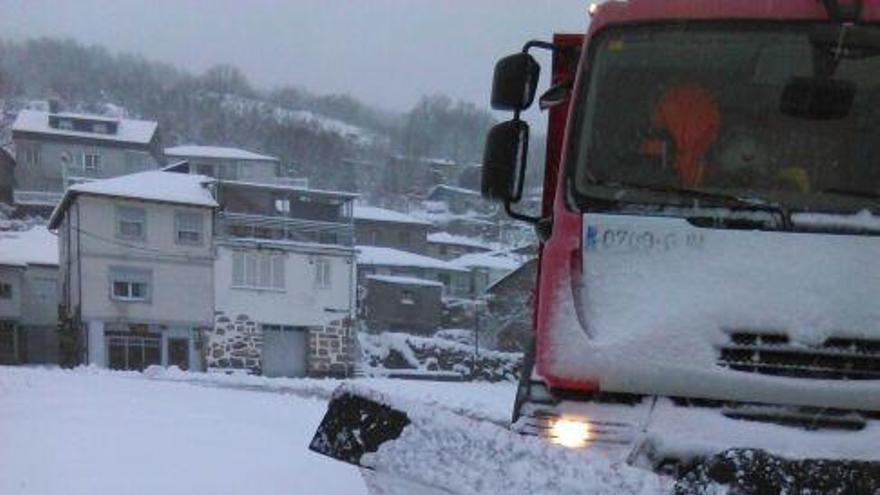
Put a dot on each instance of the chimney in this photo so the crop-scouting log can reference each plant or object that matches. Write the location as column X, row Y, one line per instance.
column 54, row 105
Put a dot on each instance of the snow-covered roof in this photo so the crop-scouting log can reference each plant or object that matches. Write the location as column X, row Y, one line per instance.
column 36, row 246
column 494, row 261
column 152, row 185
column 128, row 130
column 391, row 279
column 457, row 240
column 376, row 214
column 384, row 256
column 193, row 150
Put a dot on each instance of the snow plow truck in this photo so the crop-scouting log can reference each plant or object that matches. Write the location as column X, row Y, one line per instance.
column 707, row 296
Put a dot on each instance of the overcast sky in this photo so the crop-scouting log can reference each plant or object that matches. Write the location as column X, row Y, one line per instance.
column 385, row 52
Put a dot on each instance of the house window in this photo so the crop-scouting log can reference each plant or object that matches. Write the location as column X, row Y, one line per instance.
column 282, row 206
column 322, row 273
column 188, row 228
column 91, row 164
column 131, row 223
column 130, row 284
column 5, row 291
column 252, row 270
column 407, row 297
column 375, row 237
column 100, row 128
column 29, row 154
column 65, row 124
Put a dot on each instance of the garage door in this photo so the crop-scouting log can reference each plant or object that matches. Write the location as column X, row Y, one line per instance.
column 284, row 350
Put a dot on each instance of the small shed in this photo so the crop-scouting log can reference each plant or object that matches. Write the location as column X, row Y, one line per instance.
column 407, row 304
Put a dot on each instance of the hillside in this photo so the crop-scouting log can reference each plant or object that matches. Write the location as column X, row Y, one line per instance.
column 310, row 133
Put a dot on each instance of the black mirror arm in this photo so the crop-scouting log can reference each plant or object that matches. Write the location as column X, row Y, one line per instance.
column 519, row 216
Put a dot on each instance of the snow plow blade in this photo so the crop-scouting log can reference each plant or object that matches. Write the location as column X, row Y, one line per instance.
column 355, row 424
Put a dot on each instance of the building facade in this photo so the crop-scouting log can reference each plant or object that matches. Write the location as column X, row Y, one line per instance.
column 284, row 281
column 56, row 150
column 136, row 269
column 388, row 228
column 28, row 297
column 226, row 163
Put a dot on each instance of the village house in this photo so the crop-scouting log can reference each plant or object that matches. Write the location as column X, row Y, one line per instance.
column 137, row 269
column 447, row 246
column 55, row 150
column 225, row 163
column 283, row 281
column 388, row 228
column 28, row 297
column 398, row 303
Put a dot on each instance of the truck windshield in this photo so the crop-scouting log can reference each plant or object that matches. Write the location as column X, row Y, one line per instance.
column 702, row 107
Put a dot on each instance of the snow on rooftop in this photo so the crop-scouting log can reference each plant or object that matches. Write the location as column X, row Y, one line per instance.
column 128, row 130
column 154, row 185
column 36, row 246
column 458, row 240
column 192, row 150
column 405, row 280
column 494, row 261
column 454, row 189
column 384, row 256
column 376, row 214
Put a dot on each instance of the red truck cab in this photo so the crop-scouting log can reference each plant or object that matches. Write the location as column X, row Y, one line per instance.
column 710, row 225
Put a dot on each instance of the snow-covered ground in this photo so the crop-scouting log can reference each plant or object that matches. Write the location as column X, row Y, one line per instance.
column 90, row 431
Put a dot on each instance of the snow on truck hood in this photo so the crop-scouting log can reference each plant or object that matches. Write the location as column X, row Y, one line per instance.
column 673, row 309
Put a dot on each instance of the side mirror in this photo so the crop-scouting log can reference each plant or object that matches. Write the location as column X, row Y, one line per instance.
column 818, row 98
column 504, row 161
column 515, row 82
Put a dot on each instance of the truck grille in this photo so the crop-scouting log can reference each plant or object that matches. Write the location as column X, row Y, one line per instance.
column 775, row 354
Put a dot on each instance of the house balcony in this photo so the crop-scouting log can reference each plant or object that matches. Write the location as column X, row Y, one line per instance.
column 276, row 228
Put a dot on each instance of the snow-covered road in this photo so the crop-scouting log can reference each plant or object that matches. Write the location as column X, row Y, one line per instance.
column 91, row 431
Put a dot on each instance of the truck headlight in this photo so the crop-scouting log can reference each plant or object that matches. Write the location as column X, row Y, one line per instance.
column 570, row 432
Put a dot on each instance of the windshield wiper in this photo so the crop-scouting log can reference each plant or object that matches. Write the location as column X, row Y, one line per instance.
column 855, row 193
column 693, row 193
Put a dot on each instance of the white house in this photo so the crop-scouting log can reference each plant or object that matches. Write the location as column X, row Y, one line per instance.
column 283, row 280
column 136, row 268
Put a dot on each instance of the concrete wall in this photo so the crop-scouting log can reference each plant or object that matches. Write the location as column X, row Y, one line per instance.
column 387, row 308
column 47, row 174
column 407, row 237
column 10, row 309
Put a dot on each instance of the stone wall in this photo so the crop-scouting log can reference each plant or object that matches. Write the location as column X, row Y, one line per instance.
column 234, row 343
column 330, row 349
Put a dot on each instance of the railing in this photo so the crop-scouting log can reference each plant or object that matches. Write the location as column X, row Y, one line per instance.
column 242, row 225
column 42, row 198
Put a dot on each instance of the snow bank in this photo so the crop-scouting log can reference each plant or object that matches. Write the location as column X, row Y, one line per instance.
column 470, row 457
column 389, row 352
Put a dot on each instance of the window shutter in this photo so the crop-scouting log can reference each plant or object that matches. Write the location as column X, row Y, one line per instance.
column 251, row 264
column 278, row 271
column 265, row 270
column 237, row 268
